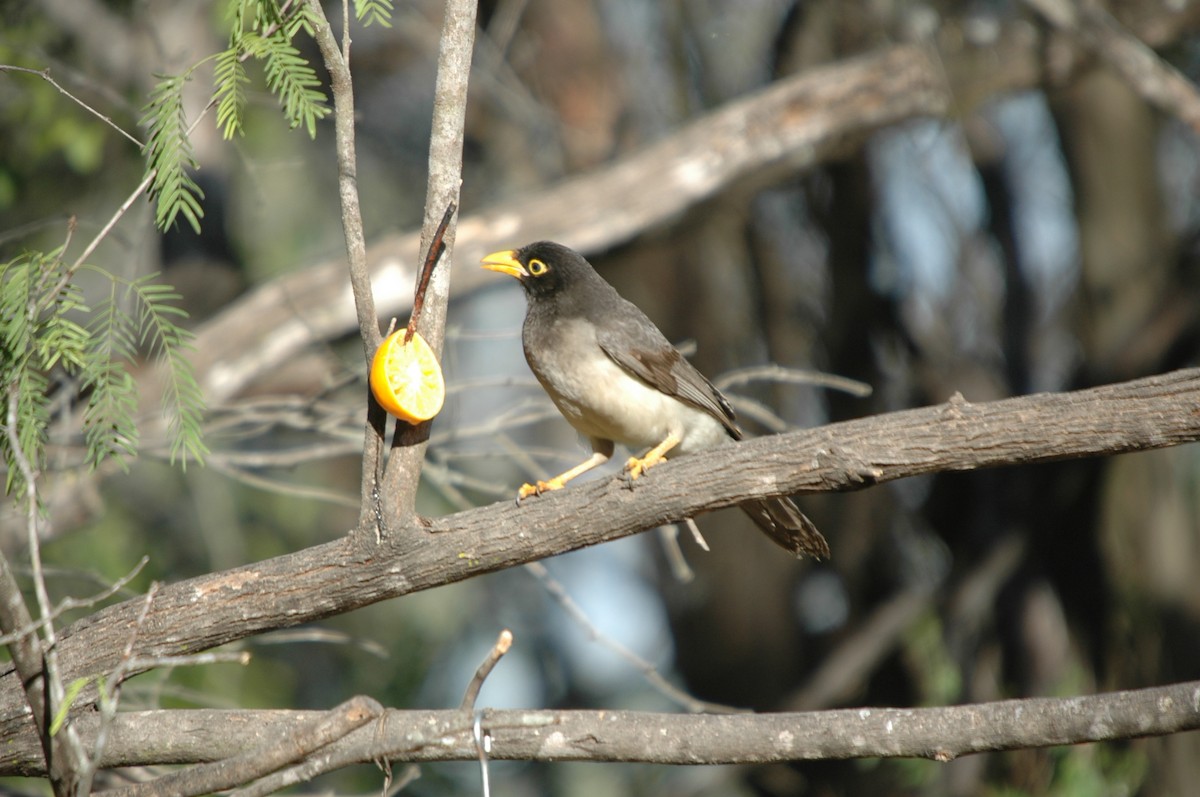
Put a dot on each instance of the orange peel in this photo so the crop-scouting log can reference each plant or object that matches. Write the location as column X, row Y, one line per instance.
column 406, row 378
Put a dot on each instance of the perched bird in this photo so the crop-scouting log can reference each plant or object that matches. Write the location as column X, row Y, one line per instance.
column 616, row 379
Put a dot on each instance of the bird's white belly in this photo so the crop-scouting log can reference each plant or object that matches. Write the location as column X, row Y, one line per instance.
column 601, row 400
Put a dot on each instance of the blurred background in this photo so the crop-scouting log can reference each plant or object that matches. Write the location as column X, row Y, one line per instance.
column 1041, row 237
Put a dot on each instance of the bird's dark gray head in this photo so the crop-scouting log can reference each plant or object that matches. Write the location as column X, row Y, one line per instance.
column 544, row 269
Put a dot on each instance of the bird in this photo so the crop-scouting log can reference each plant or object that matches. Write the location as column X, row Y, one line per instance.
column 616, row 378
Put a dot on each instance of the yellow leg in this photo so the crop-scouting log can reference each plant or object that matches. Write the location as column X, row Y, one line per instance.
column 636, row 467
column 559, row 481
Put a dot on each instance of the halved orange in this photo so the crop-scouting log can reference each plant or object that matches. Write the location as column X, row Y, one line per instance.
column 407, row 378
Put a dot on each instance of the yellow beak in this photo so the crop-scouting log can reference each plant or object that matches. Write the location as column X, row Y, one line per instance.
column 506, row 263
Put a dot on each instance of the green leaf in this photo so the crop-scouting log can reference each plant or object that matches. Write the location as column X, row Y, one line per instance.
column 183, row 399
column 69, row 697
column 374, row 12
column 22, row 384
column 109, row 428
column 49, row 337
column 230, row 95
column 169, row 156
column 290, row 78
column 33, row 418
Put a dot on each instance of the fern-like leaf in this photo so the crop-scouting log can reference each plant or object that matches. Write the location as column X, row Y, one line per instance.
column 22, row 385
column 169, row 155
column 109, row 429
column 28, row 389
column 374, row 12
column 301, row 19
column 290, row 78
column 182, row 400
column 65, row 340
column 230, row 94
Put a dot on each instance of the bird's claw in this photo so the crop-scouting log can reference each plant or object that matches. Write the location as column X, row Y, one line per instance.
column 537, row 488
column 635, row 467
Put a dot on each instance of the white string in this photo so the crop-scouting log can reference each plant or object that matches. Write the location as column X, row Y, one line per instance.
column 483, row 745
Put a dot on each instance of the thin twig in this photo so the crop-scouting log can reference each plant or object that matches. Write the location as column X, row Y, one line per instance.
column 503, row 643
column 282, row 487
column 792, row 376
column 110, row 693
column 44, row 74
column 677, row 563
column 696, row 535
column 69, row 604
column 436, row 247
column 648, row 670
column 126, row 205
column 31, row 658
column 143, row 663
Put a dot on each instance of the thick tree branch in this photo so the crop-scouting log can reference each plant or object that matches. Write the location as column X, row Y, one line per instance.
column 259, row 753
column 942, row 734
column 337, row 577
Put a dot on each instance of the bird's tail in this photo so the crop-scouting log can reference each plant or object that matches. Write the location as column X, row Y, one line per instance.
column 787, row 526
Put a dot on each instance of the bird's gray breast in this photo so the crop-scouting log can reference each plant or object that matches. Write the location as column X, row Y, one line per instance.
column 601, row 399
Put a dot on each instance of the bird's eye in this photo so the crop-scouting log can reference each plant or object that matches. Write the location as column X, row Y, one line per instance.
column 537, row 268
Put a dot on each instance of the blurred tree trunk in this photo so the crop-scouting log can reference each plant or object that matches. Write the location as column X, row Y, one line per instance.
column 1128, row 322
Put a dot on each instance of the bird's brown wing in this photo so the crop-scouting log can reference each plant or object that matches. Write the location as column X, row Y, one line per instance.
column 633, row 342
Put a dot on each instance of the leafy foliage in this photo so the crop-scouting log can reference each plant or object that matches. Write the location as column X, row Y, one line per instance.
column 159, row 335
column 374, row 12
column 290, row 78
column 231, row 79
column 262, row 30
column 48, row 354
column 169, row 155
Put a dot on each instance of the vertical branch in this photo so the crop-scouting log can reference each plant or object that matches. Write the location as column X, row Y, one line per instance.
column 65, row 761
column 337, row 61
column 399, row 485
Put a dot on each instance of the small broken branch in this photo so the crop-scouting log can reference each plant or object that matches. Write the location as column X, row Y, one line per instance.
column 503, row 643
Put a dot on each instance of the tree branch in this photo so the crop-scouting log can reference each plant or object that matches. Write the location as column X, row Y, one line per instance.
column 337, row 577
column 941, row 734
column 285, row 745
column 337, row 62
column 400, row 477
column 1154, row 79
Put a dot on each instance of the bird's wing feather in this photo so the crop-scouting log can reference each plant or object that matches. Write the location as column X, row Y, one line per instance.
column 643, row 351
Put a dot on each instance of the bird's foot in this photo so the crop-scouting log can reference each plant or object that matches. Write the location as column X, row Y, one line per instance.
column 538, row 488
column 635, row 467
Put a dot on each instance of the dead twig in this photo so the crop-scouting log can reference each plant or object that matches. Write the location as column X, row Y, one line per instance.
column 503, row 643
